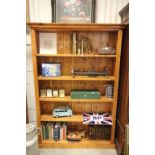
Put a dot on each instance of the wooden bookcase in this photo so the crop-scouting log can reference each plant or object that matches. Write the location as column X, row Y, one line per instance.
column 111, row 33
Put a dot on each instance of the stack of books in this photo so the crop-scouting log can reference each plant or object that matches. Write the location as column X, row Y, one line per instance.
column 54, row 131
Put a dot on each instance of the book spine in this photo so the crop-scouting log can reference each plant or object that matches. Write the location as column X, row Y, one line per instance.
column 52, row 131
column 61, row 133
column 64, row 131
column 56, row 133
column 43, row 132
column 47, row 131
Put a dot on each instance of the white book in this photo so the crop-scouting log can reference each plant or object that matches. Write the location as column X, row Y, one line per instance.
column 49, row 92
column 48, row 43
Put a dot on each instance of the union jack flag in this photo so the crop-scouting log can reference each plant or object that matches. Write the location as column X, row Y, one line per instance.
column 96, row 118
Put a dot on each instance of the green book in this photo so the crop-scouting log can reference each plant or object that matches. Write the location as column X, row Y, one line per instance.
column 47, row 131
column 43, row 132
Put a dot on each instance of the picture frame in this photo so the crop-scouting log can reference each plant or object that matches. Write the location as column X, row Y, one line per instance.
column 73, row 11
column 51, row 69
column 47, row 43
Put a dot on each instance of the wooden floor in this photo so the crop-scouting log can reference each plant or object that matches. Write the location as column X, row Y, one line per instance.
column 77, row 152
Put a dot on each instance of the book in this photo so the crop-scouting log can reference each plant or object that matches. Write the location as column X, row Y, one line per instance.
column 61, row 133
column 56, row 132
column 48, row 43
column 43, row 93
column 47, row 131
column 49, row 92
column 52, row 126
column 61, row 93
column 55, row 93
column 64, row 131
column 50, row 130
column 43, row 132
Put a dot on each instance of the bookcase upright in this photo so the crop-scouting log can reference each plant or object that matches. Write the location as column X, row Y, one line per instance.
column 98, row 33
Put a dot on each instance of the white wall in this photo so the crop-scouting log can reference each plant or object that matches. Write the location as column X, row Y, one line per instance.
column 107, row 10
column 40, row 11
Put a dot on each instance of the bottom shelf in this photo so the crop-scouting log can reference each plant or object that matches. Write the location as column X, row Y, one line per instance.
column 84, row 143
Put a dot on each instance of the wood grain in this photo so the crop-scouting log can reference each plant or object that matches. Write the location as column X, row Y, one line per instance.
column 97, row 33
column 117, row 67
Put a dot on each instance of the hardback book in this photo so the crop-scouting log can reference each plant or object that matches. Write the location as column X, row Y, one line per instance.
column 52, row 130
column 43, row 132
column 47, row 130
column 61, row 133
column 49, row 92
column 61, row 93
column 56, row 132
column 48, row 43
column 64, row 131
column 43, row 92
column 55, row 93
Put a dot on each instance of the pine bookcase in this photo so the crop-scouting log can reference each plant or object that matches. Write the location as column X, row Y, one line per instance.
column 111, row 33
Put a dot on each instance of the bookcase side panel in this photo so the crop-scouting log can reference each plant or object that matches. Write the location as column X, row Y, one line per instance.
column 35, row 70
column 116, row 82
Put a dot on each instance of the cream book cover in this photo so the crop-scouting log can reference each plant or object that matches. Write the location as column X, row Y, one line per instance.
column 48, row 43
column 49, row 92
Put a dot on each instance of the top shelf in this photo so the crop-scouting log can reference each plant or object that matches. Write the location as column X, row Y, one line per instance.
column 75, row 27
column 73, row 55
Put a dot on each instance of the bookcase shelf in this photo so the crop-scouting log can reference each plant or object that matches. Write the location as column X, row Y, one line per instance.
column 74, row 118
column 68, row 99
column 78, row 56
column 78, row 78
column 67, row 57
column 85, row 143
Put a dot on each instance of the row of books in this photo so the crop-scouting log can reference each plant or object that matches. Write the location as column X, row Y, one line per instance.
column 58, row 131
column 54, row 131
column 99, row 132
